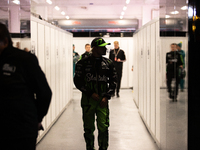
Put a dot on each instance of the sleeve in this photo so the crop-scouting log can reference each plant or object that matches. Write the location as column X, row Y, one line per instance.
column 112, row 81
column 79, row 80
column 123, row 56
column 110, row 54
column 40, row 87
column 180, row 60
column 167, row 60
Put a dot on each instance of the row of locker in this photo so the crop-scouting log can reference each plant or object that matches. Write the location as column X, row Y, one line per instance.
column 53, row 47
column 125, row 43
column 146, row 74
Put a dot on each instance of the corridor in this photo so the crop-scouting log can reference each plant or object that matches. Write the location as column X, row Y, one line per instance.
column 127, row 131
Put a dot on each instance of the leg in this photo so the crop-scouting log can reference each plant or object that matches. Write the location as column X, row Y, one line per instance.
column 177, row 85
column 169, row 81
column 103, row 124
column 119, row 77
column 89, row 127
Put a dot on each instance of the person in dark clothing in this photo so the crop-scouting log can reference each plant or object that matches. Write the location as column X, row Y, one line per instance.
column 87, row 53
column 76, row 58
column 174, row 62
column 96, row 77
column 118, row 57
column 24, row 96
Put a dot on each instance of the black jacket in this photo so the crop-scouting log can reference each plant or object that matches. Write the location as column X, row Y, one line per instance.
column 24, row 94
column 84, row 55
column 86, row 73
column 173, row 61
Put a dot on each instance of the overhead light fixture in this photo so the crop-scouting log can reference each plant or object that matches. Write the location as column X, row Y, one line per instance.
column 167, row 16
column 49, row 2
column 67, row 17
column 124, row 8
column 174, row 12
column 184, row 7
column 57, row 8
column 121, row 17
column 122, row 13
column 127, row 1
column 16, row 2
column 63, row 13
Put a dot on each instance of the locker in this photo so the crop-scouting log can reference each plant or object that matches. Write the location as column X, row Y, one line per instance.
column 34, row 40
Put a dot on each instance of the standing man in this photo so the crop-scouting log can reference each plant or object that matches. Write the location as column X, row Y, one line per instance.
column 24, row 96
column 75, row 59
column 173, row 62
column 87, row 51
column 182, row 81
column 118, row 57
column 96, row 78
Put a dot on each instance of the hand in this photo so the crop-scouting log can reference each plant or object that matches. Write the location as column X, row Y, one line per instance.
column 104, row 102
column 95, row 97
column 181, row 66
column 40, row 127
column 118, row 60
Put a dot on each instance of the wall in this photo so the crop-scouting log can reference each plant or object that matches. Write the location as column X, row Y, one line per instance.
column 126, row 44
column 24, row 42
column 146, row 86
column 53, row 48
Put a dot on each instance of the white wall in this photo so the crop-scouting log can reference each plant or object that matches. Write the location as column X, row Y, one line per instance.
column 53, row 47
column 24, row 42
column 146, row 86
column 126, row 44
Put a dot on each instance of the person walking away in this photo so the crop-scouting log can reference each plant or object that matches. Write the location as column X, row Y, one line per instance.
column 24, row 96
column 173, row 62
column 75, row 59
column 96, row 78
column 87, row 51
column 182, row 81
column 117, row 55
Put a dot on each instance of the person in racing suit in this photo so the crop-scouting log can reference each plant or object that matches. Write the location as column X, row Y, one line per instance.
column 96, row 78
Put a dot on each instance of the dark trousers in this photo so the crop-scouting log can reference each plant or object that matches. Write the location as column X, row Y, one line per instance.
column 119, row 77
column 170, row 77
column 18, row 144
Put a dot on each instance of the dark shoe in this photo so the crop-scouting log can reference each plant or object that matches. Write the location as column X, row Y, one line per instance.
column 112, row 95
column 182, row 90
column 117, row 94
column 100, row 148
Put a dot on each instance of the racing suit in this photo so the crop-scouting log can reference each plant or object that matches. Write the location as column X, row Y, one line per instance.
column 95, row 75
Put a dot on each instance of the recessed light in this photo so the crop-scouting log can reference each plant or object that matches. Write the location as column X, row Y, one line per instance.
column 124, row 8
column 167, row 16
column 49, row 2
column 121, row 17
column 184, row 7
column 16, row 2
column 67, row 17
column 174, row 12
column 57, row 8
column 122, row 13
column 63, row 13
column 127, row 1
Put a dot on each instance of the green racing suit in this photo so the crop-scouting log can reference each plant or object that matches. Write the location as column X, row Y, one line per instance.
column 95, row 75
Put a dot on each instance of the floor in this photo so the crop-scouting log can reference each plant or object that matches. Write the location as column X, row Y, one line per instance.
column 174, row 121
column 127, row 131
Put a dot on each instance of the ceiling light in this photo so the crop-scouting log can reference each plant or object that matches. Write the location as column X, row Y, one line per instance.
column 67, row 17
column 49, row 2
column 174, row 12
column 57, row 8
column 63, row 13
column 167, row 16
column 16, row 2
column 127, row 1
column 121, row 17
column 184, row 7
column 124, row 8
column 122, row 13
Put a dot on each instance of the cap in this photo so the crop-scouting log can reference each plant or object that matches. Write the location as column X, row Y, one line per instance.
column 99, row 42
column 180, row 44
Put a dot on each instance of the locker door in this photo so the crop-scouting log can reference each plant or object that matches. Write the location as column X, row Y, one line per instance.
column 148, row 76
column 153, row 77
column 34, row 35
column 53, row 72
column 131, row 53
column 47, row 66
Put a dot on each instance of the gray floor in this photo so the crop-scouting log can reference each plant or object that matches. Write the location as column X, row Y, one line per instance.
column 127, row 131
column 174, row 121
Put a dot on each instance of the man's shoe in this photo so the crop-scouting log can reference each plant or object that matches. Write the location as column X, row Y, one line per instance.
column 117, row 94
column 112, row 95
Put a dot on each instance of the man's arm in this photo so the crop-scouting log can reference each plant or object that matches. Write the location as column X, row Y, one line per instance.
column 40, row 86
column 112, row 81
column 79, row 79
column 122, row 58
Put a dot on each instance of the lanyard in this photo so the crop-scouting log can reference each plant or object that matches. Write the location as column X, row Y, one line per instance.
column 116, row 53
